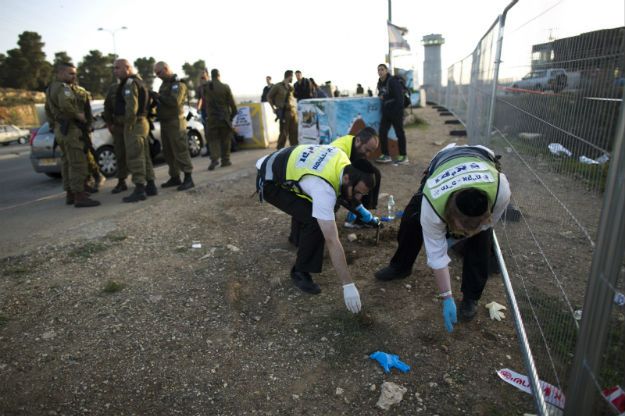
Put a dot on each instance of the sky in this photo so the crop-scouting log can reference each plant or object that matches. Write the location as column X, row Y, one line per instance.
column 338, row 40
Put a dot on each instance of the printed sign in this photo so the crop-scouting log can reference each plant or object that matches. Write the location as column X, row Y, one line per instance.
column 552, row 394
column 242, row 123
column 316, row 157
column 455, row 183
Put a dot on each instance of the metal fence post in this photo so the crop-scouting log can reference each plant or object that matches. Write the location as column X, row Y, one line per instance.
column 502, row 24
column 607, row 260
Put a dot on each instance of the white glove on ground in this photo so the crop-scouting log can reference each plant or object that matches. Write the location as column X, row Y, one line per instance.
column 494, row 310
column 352, row 298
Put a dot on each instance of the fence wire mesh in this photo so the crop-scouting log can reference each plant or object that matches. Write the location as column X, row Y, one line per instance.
column 556, row 110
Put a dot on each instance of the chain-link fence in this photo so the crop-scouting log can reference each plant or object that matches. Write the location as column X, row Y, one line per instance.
column 553, row 116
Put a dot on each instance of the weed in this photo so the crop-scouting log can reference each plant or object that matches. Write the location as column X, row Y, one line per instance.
column 112, row 287
column 3, row 320
column 87, row 250
column 116, row 237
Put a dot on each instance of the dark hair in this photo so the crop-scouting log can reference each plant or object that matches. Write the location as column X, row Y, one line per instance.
column 361, row 170
column 469, row 207
column 384, row 66
column 62, row 65
column 214, row 73
column 288, row 73
column 366, row 134
column 298, row 72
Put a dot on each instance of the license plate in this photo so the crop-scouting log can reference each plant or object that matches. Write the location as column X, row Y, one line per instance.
column 47, row 162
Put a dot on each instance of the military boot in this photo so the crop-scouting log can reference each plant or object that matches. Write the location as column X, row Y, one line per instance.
column 137, row 195
column 120, row 187
column 188, row 182
column 69, row 198
column 151, row 189
column 82, row 200
column 213, row 165
column 173, row 181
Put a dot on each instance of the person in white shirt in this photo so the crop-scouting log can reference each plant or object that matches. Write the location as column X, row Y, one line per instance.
column 462, row 196
column 306, row 182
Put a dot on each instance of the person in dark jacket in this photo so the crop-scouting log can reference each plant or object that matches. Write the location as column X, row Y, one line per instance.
column 390, row 91
column 263, row 97
column 302, row 87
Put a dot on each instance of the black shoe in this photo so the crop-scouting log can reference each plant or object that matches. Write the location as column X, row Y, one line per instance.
column 173, row 181
column 468, row 310
column 213, row 165
column 304, row 282
column 151, row 189
column 187, row 184
column 82, row 200
column 225, row 163
column 137, row 195
column 120, row 187
column 391, row 272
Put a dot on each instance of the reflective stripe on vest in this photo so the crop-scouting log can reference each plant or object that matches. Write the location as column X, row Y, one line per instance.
column 459, row 173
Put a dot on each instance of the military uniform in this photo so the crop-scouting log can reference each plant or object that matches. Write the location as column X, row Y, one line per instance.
column 282, row 97
column 84, row 97
column 131, row 103
column 172, row 95
column 116, row 127
column 62, row 109
column 220, row 109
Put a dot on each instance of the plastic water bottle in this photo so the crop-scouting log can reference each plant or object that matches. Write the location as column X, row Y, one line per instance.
column 391, row 208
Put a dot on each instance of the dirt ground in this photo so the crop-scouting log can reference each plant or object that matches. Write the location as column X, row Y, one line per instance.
column 139, row 322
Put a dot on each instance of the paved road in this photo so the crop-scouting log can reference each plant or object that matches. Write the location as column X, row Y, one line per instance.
column 33, row 210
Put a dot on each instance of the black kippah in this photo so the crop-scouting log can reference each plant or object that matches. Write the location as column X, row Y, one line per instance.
column 363, row 165
column 472, row 202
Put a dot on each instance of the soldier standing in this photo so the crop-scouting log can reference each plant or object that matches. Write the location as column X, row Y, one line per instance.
column 283, row 102
column 220, row 110
column 115, row 124
column 131, row 102
column 64, row 114
column 171, row 97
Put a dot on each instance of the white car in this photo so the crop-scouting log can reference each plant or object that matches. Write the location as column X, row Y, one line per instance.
column 45, row 155
column 10, row 134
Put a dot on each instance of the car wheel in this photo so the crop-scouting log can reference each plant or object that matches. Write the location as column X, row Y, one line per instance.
column 55, row 175
column 195, row 143
column 22, row 140
column 107, row 161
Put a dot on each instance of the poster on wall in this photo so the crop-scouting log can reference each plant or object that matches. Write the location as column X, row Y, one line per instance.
column 326, row 119
column 242, row 123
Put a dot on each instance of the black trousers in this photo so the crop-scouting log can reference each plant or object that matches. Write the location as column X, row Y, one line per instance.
column 370, row 201
column 477, row 250
column 397, row 121
column 305, row 231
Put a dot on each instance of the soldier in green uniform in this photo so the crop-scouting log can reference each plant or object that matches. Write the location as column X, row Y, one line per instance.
column 64, row 113
column 131, row 102
column 83, row 98
column 282, row 100
column 220, row 109
column 171, row 98
column 115, row 125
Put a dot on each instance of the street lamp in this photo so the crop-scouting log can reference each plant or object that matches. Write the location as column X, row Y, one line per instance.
column 112, row 32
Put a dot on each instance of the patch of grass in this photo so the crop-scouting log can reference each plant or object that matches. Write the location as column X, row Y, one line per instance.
column 418, row 123
column 87, row 250
column 3, row 320
column 113, row 287
column 116, row 237
column 16, row 271
column 181, row 249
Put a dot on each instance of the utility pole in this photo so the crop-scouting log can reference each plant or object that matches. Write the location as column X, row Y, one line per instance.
column 390, row 52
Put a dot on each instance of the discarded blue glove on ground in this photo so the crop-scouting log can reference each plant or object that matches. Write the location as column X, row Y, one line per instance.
column 388, row 361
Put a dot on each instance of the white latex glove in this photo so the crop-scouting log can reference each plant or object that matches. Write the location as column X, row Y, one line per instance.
column 352, row 298
column 494, row 310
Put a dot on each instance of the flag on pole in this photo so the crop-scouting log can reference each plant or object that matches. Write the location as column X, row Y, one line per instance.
column 396, row 37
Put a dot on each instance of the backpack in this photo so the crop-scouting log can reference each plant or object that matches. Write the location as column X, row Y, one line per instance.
column 405, row 92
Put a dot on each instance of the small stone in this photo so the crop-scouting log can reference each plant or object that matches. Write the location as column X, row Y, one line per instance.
column 352, row 237
column 155, row 298
column 339, row 391
column 373, row 387
column 508, row 357
column 257, row 318
column 432, row 384
column 295, row 397
column 48, row 335
column 324, row 339
column 233, row 248
column 408, row 286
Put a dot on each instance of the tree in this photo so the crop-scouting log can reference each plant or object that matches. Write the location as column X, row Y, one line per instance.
column 95, row 72
column 26, row 67
column 193, row 71
column 62, row 58
column 145, row 68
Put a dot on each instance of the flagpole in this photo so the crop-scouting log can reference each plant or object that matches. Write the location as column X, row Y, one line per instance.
column 390, row 56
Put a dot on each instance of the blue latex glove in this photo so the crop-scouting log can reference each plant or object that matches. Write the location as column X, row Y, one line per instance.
column 449, row 313
column 351, row 217
column 365, row 215
column 388, row 361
